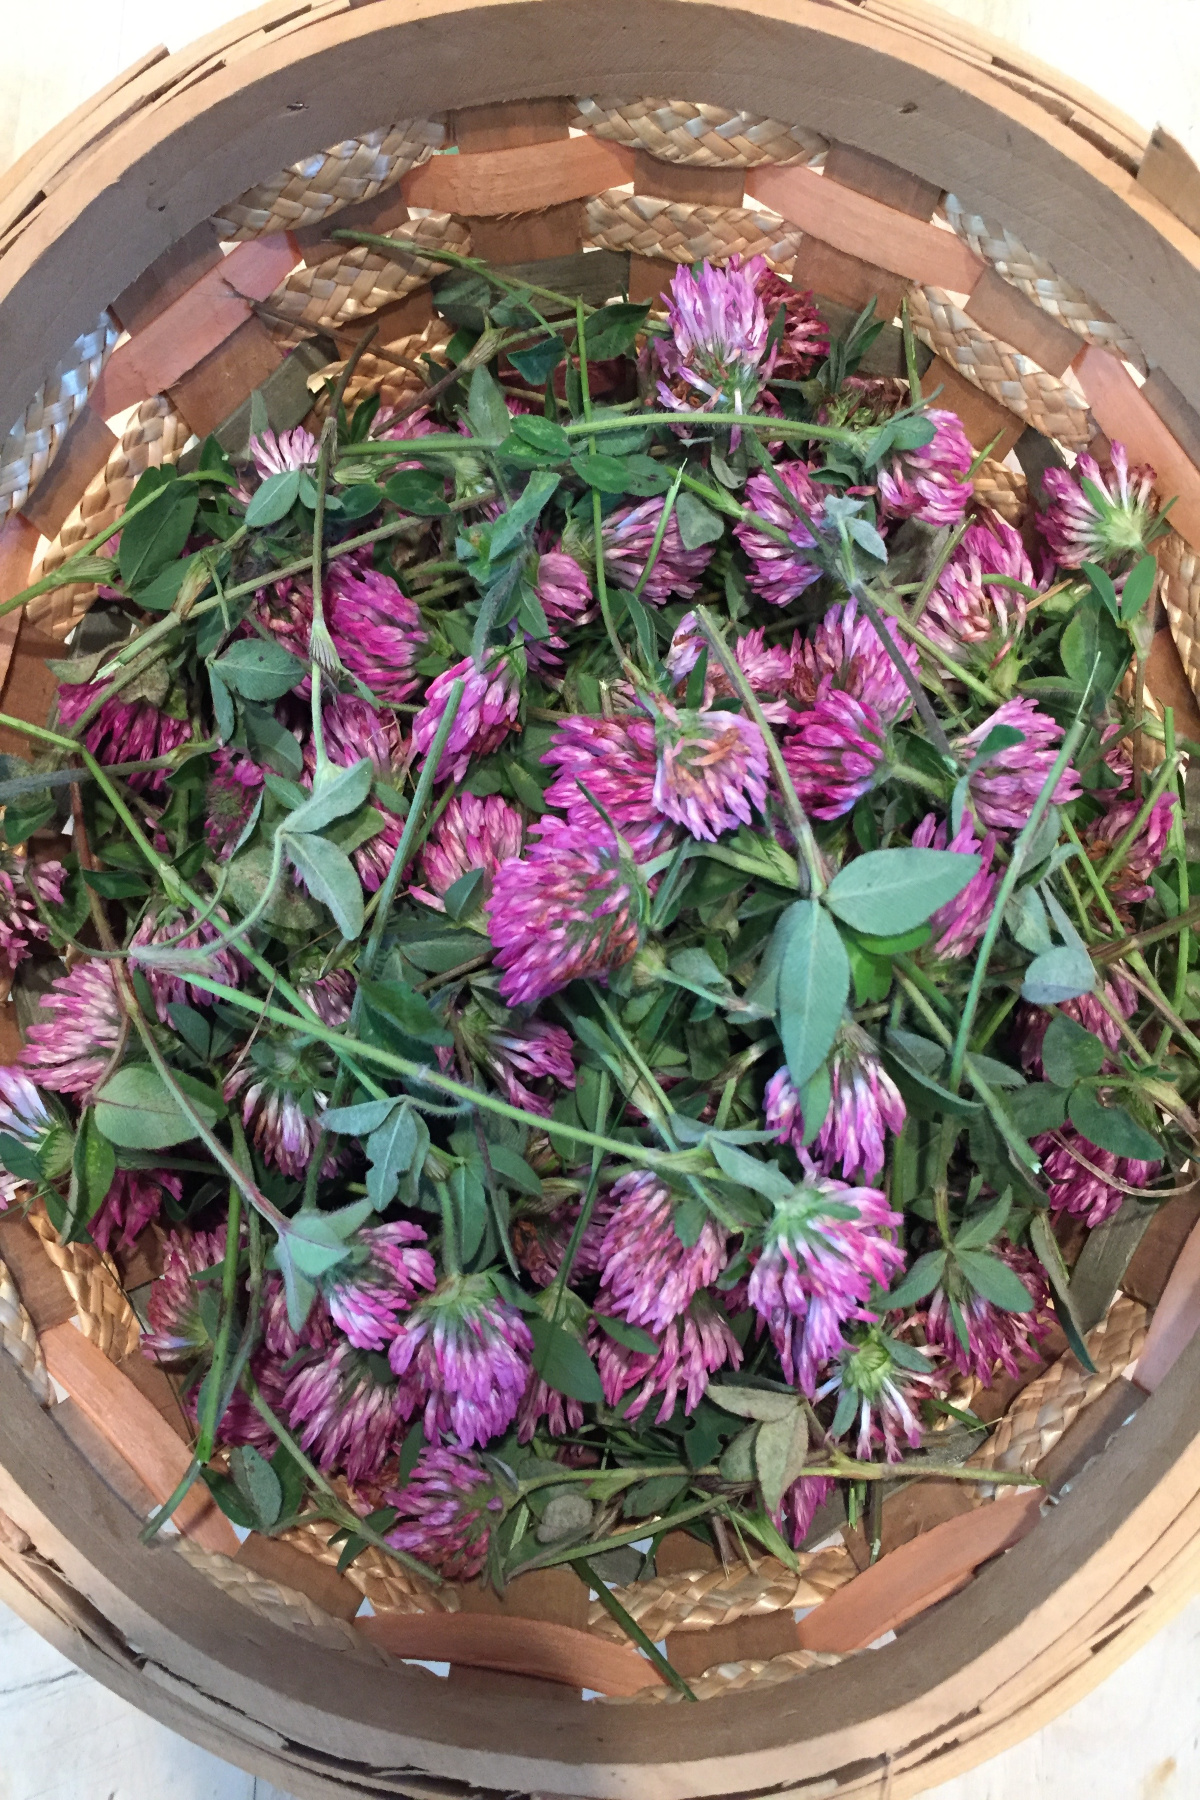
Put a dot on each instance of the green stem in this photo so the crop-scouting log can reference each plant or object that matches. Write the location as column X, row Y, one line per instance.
column 211, row 1411
column 1121, row 848
column 660, row 533
column 158, row 1519
column 580, row 1552
column 797, row 818
column 631, row 1628
column 424, row 1073
column 383, row 907
column 1007, row 886
column 925, row 591
column 589, row 1201
column 400, row 252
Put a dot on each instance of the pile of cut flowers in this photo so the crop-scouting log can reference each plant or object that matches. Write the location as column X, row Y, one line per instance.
column 613, row 923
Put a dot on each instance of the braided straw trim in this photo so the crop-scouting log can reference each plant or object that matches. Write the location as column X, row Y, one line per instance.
column 696, row 1601
column 1179, row 586
column 684, row 232
column 318, row 185
column 19, row 1337
column 1154, row 754
column 376, row 375
column 1052, row 405
column 704, row 137
column 105, row 1315
column 733, row 1678
column 359, row 281
column 156, row 434
column 388, row 1585
column 1005, row 490
column 279, row 1605
column 1039, row 282
column 1041, row 1412
column 33, row 442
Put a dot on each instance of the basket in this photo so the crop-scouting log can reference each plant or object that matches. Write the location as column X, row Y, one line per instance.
column 166, row 254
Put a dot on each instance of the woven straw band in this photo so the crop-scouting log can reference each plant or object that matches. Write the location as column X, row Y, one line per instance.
column 279, row 1605
column 1039, row 282
column 33, row 442
column 155, row 435
column 1050, row 403
column 1179, row 565
column 312, row 189
column 1005, row 490
column 707, row 1597
column 687, row 233
column 380, row 374
column 105, row 1315
column 704, row 137
column 19, row 1337
column 359, row 281
column 1041, row 1412
column 387, row 1584
column 732, row 1678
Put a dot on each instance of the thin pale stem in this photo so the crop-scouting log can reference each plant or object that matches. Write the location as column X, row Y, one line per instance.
column 797, row 818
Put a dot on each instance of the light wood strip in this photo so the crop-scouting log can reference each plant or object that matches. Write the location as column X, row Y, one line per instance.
column 195, row 325
column 518, row 1646
column 524, row 179
column 917, row 1574
column 865, row 228
column 136, row 1430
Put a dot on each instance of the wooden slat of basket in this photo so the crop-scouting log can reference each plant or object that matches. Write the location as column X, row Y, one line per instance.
column 190, row 328
column 524, row 179
column 862, row 227
column 881, row 180
column 576, row 1659
column 984, row 419
column 44, row 1294
column 512, row 130
column 913, row 1577
column 217, row 385
column 1005, row 312
column 1176, row 1318
column 168, row 278
column 136, row 1431
column 1170, row 174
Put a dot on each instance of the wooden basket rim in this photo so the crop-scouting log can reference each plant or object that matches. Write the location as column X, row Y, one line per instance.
column 170, row 164
column 144, row 182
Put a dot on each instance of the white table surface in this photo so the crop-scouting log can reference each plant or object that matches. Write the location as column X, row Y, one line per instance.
column 62, row 1736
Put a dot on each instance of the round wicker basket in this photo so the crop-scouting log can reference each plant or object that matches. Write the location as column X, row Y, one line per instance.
column 166, row 254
